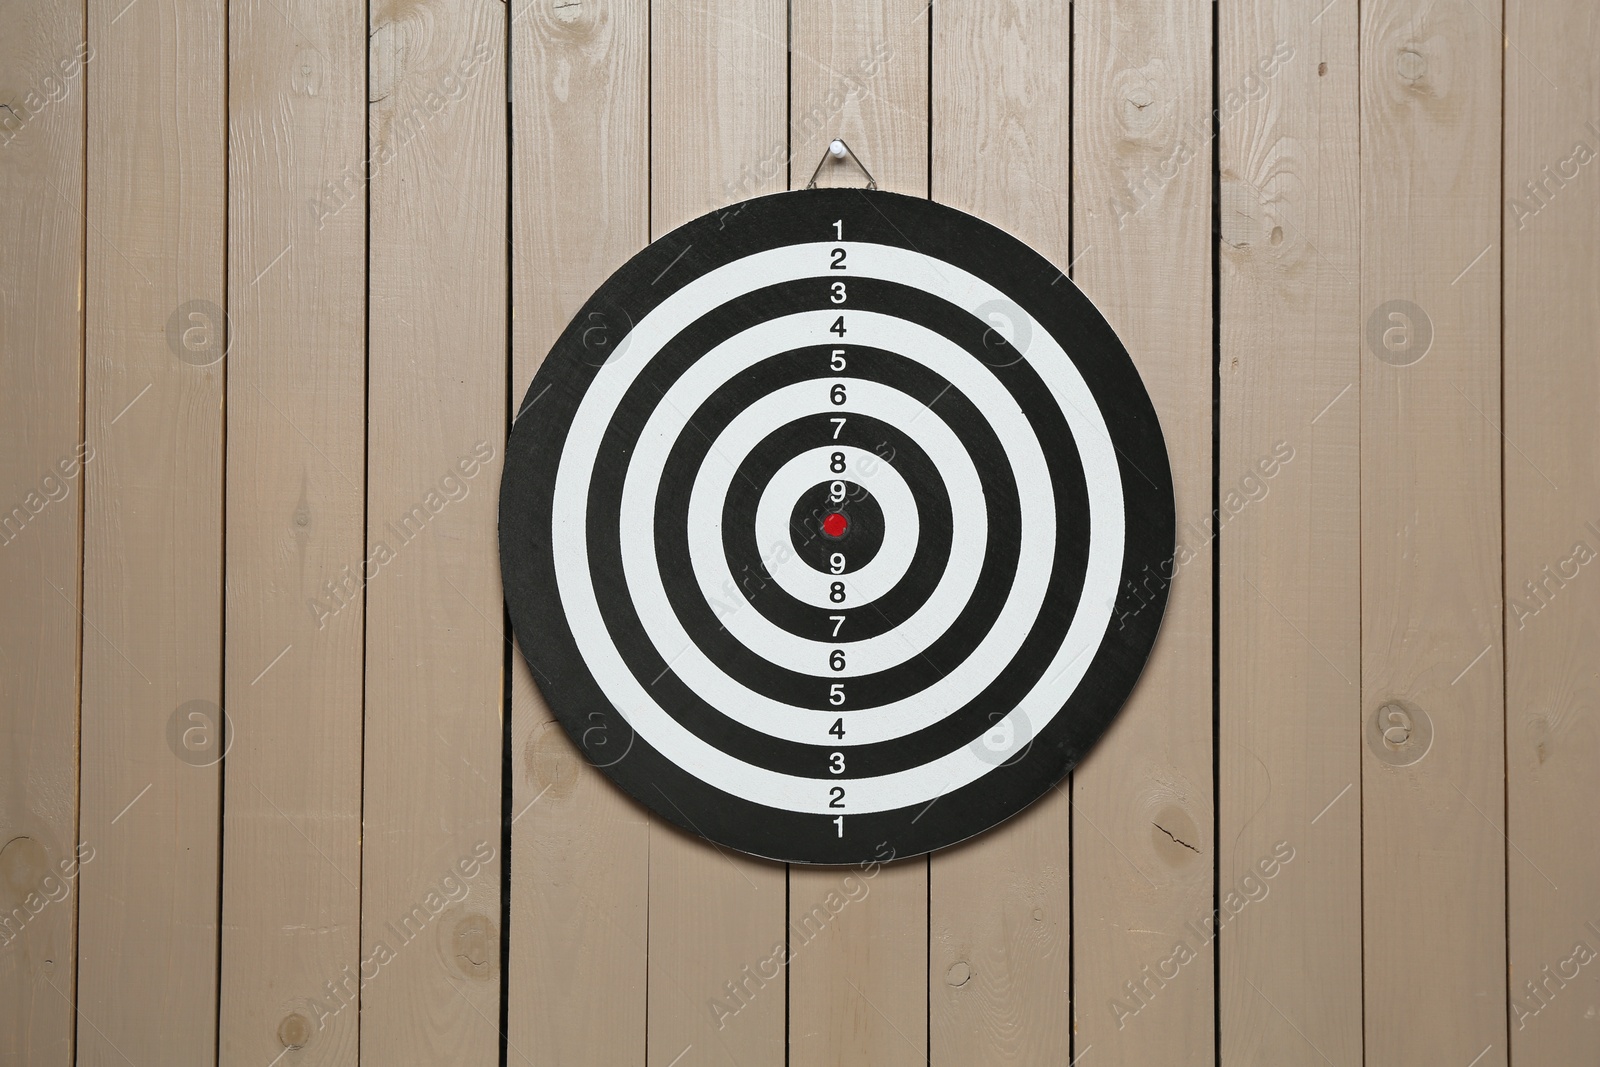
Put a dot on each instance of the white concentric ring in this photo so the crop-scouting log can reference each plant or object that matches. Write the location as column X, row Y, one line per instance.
column 889, row 649
column 581, row 451
column 798, row 722
column 859, row 587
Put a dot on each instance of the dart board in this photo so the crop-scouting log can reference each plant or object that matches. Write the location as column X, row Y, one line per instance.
column 836, row 519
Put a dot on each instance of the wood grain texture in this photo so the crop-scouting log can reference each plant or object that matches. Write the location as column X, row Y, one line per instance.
column 579, row 876
column 42, row 58
column 717, row 134
column 152, row 583
column 1000, row 943
column 718, row 77
column 860, row 72
column 312, row 546
column 857, row 992
column 1142, row 829
column 1288, row 535
column 1551, row 463
column 1433, row 850
column 1000, row 906
column 858, row 944
column 291, row 895
column 437, row 351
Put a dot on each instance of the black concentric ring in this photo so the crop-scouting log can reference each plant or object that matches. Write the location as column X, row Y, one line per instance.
column 653, row 666
column 747, row 558
column 857, row 543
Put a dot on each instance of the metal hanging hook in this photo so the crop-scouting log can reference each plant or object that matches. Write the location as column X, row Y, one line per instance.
column 838, row 150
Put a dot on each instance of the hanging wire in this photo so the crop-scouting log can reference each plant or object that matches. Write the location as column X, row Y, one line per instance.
column 872, row 183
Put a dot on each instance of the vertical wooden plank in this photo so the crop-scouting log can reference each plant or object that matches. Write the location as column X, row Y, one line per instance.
column 857, row 992
column 1289, row 536
column 42, row 59
column 430, row 883
column 1142, row 828
column 1000, row 906
column 580, row 207
column 717, row 134
column 152, row 582
column 291, row 900
column 860, row 72
column 1433, row 849
column 1551, row 458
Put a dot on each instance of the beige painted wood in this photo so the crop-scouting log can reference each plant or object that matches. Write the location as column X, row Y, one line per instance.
column 152, row 582
column 999, row 906
column 1289, row 536
column 291, row 898
column 1433, row 851
column 1000, row 943
column 437, row 292
column 857, row 992
column 717, row 134
column 580, row 847
column 42, row 57
column 1551, row 237
column 858, row 942
column 860, row 72
column 117, row 170
column 1142, row 829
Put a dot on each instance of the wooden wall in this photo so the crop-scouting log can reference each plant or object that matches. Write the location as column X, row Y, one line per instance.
column 274, row 277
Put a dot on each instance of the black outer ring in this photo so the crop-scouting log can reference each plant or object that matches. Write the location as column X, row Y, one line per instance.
column 536, row 441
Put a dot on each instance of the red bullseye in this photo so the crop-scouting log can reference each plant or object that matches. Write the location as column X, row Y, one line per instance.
column 835, row 525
